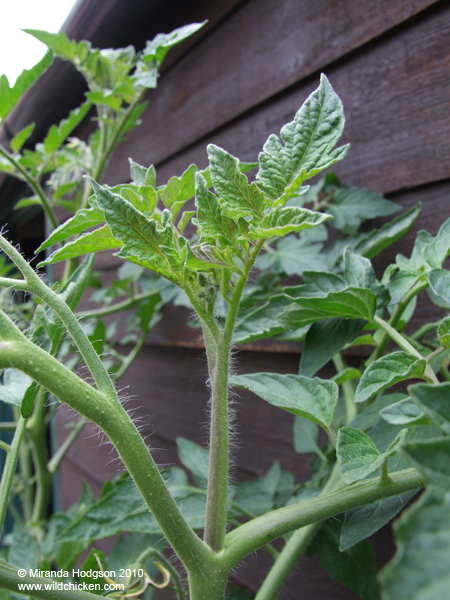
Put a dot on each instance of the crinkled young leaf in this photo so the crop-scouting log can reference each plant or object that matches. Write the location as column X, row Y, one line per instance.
column 421, row 566
column 443, row 332
column 57, row 134
column 336, row 332
column 195, row 458
column 10, row 95
column 81, row 221
column 141, row 237
column 400, row 284
column 370, row 415
column 21, row 137
column 306, row 145
column 213, row 224
column 434, row 401
column 282, row 220
column 240, row 199
column 179, row 190
column 14, row 386
column 94, row 241
column 358, row 456
column 313, row 399
column 372, row 243
column 352, row 206
column 360, row 523
column 387, row 371
column 405, row 412
column 356, row 568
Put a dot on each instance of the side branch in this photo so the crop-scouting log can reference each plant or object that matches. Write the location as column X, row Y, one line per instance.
column 253, row 535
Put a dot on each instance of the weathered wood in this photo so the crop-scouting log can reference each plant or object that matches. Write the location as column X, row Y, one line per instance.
column 262, row 50
column 395, row 96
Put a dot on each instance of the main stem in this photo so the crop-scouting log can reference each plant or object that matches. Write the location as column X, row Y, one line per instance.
column 219, row 445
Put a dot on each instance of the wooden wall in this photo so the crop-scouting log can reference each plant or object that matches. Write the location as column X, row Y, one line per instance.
column 241, row 79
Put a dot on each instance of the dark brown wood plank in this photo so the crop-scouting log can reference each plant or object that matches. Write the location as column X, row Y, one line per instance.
column 395, row 95
column 264, row 48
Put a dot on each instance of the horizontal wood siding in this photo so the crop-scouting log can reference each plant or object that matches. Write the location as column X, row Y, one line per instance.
column 244, row 77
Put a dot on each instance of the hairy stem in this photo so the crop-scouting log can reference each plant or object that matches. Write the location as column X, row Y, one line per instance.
column 251, row 536
column 219, row 444
column 36, row 430
column 10, row 468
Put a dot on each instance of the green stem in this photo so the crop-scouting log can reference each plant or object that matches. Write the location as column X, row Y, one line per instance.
column 36, row 430
column 115, row 308
column 347, row 388
column 34, row 185
column 18, row 352
column 405, row 345
column 57, row 458
column 4, row 446
column 384, row 478
column 54, row 301
column 294, row 549
column 175, row 576
column 10, row 469
column 393, row 321
column 251, row 536
column 219, row 444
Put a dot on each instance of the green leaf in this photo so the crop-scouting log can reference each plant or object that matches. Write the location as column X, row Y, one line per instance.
column 443, row 332
column 179, row 190
column 358, row 456
column 82, row 220
column 94, row 241
column 10, row 96
column 240, row 199
column 29, row 399
column 387, row 371
column 336, row 332
column 295, row 255
column 261, row 322
column 21, row 137
column 90, row 568
column 433, row 400
column 313, row 399
column 283, row 220
column 195, row 458
column 360, row 523
column 211, row 220
column 358, row 270
column 306, row 145
column 432, row 458
column 350, row 303
column 23, row 552
column 439, row 280
column 14, row 386
column 120, row 508
column 306, row 436
column 153, row 246
column 141, row 175
column 405, row 412
column 352, row 206
column 372, row 243
column 370, row 416
column 438, row 249
column 420, row 568
column 57, row 134
column 157, row 48
column 356, row 568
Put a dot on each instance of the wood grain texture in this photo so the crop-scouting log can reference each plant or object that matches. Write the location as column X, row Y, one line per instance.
column 263, row 49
